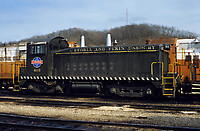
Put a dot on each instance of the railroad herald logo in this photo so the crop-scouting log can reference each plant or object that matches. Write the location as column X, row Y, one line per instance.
column 37, row 62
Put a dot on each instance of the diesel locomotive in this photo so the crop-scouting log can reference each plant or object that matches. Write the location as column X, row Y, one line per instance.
column 131, row 70
column 12, row 57
column 184, row 52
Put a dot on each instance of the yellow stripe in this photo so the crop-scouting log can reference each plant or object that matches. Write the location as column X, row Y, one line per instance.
column 167, row 94
column 115, row 51
column 168, row 83
column 196, row 93
column 196, row 84
column 16, row 90
column 132, row 51
column 144, row 51
column 169, row 89
column 168, row 77
column 195, row 88
column 105, row 52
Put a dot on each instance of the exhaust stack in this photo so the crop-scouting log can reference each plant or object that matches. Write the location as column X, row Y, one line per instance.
column 82, row 41
column 108, row 40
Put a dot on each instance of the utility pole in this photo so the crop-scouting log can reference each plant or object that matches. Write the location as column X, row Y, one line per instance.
column 126, row 16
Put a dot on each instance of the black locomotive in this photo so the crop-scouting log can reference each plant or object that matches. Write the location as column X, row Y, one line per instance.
column 133, row 71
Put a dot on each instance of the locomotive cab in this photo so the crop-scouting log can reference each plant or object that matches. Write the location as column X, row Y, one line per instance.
column 39, row 61
column 39, row 56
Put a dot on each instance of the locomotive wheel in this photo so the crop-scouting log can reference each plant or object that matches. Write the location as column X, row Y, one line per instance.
column 59, row 89
column 178, row 91
column 6, row 87
column 32, row 87
column 1, row 86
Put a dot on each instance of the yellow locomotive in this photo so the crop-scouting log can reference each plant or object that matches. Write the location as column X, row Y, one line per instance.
column 12, row 57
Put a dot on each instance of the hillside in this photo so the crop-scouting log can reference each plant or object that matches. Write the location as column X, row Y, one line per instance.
column 129, row 34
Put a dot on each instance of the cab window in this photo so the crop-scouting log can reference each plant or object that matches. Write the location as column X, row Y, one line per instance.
column 37, row 49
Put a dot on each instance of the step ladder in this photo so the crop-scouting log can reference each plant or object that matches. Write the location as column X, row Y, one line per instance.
column 169, row 85
column 15, row 75
column 16, row 87
column 195, row 88
column 170, row 80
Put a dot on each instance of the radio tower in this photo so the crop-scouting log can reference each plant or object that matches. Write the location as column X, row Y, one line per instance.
column 126, row 16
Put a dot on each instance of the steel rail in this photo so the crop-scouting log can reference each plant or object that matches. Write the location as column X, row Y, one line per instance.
column 79, row 124
column 98, row 104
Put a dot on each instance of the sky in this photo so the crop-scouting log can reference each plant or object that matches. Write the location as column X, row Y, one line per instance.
column 20, row 19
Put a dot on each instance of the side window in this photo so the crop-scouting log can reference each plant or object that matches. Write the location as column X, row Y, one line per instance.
column 37, row 49
column 14, row 58
column 42, row 49
column 1, row 58
column 196, row 60
column 188, row 58
column 8, row 58
column 32, row 48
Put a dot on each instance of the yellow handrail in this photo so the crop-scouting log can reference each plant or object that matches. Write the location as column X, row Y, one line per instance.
column 13, row 74
column 179, row 73
column 18, row 72
column 173, row 71
column 191, row 72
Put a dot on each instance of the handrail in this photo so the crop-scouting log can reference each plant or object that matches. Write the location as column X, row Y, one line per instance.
column 191, row 72
column 179, row 73
column 173, row 70
column 16, row 71
column 13, row 74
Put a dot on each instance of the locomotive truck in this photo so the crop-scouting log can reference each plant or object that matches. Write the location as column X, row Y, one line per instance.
column 131, row 70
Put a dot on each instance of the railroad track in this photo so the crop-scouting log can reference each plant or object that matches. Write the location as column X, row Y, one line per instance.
column 98, row 103
column 85, row 104
column 35, row 123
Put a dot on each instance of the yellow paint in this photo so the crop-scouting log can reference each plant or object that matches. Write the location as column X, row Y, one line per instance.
column 105, row 52
column 167, row 94
column 168, row 89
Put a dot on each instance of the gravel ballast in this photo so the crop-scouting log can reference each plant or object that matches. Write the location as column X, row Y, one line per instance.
column 107, row 114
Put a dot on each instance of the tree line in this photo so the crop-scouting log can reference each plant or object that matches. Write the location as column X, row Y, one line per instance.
column 126, row 35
